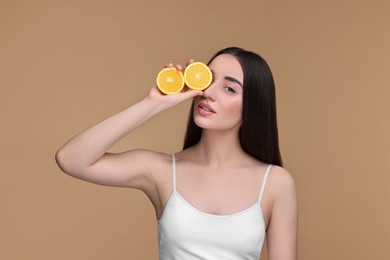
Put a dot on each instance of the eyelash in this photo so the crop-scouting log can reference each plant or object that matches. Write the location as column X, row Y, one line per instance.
column 230, row 89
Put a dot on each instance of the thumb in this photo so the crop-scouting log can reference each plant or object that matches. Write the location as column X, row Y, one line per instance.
column 192, row 93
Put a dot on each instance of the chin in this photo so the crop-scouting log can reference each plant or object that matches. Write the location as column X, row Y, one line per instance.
column 200, row 123
column 215, row 127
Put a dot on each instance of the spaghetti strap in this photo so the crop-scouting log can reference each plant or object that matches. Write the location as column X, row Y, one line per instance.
column 173, row 172
column 264, row 181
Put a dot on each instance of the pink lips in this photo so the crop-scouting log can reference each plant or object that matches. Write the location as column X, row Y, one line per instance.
column 205, row 109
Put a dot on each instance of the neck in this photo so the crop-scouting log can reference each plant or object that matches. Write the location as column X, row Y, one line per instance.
column 219, row 147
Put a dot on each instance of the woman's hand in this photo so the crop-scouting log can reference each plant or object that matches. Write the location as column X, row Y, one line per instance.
column 170, row 100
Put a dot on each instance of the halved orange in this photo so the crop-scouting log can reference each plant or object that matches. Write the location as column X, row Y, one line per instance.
column 198, row 76
column 170, row 81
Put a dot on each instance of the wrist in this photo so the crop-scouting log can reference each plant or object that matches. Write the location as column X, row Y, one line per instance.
column 154, row 105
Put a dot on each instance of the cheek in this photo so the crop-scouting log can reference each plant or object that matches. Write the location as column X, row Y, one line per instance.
column 234, row 109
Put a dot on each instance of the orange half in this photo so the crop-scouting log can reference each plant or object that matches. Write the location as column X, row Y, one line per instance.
column 198, row 76
column 170, row 81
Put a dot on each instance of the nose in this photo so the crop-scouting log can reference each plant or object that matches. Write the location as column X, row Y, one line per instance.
column 209, row 93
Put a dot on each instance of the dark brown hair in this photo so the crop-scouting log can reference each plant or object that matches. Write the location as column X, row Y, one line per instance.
column 258, row 133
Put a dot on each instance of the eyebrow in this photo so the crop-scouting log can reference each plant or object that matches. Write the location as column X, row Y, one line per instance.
column 229, row 78
column 233, row 80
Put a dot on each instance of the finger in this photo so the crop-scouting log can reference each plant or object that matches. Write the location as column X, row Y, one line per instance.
column 169, row 65
column 178, row 67
column 192, row 93
column 190, row 61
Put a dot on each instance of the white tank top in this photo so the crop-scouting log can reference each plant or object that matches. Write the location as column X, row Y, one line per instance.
column 186, row 233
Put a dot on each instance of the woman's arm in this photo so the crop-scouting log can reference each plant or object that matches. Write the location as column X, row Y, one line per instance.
column 85, row 156
column 282, row 233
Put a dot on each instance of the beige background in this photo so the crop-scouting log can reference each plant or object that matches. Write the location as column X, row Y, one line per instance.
column 65, row 65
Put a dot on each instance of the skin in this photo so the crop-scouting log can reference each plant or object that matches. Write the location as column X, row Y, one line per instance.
column 217, row 167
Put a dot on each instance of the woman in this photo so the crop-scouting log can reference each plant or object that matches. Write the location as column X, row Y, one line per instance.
column 220, row 195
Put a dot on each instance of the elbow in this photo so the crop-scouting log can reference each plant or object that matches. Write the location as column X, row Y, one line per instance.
column 65, row 162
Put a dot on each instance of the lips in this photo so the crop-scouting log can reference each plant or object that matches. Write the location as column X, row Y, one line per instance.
column 206, row 107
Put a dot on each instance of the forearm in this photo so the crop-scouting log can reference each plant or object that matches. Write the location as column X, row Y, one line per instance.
column 86, row 148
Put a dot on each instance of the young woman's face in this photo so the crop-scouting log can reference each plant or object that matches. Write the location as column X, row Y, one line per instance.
column 220, row 107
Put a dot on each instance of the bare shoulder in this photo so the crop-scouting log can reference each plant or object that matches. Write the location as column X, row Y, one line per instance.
column 159, row 161
column 151, row 159
column 155, row 166
column 281, row 175
column 281, row 182
column 140, row 164
column 150, row 155
column 158, row 164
